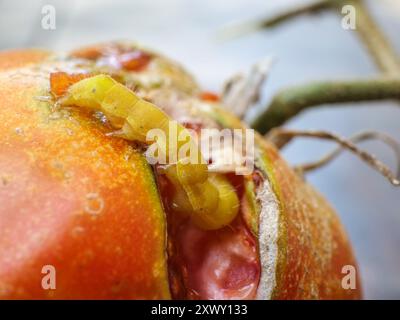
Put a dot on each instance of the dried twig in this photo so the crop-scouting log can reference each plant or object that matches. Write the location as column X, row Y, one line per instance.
column 290, row 102
column 243, row 90
column 380, row 49
column 283, row 136
column 360, row 137
column 312, row 7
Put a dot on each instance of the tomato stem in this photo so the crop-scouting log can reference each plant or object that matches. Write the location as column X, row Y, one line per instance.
column 291, row 101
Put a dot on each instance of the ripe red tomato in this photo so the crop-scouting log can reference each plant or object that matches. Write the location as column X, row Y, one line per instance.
column 86, row 202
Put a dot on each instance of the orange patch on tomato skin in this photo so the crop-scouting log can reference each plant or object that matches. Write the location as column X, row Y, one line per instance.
column 61, row 81
column 90, row 53
column 134, row 61
column 209, row 96
column 116, row 55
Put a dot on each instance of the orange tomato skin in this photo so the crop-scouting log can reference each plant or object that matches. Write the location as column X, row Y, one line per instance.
column 75, row 199
column 61, row 81
column 12, row 59
column 209, row 96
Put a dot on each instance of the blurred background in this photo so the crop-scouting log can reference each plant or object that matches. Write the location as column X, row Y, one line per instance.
column 308, row 48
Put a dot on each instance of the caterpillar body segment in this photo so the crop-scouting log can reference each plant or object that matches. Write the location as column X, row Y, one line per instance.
column 210, row 200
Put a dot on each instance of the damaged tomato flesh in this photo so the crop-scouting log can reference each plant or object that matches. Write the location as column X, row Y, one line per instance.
column 212, row 264
column 220, row 264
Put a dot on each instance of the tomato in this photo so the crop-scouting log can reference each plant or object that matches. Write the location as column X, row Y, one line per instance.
column 76, row 196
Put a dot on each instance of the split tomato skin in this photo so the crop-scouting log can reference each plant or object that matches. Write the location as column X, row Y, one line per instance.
column 74, row 199
column 313, row 246
column 87, row 204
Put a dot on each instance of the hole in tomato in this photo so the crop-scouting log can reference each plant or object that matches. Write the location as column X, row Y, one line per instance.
column 217, row 264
